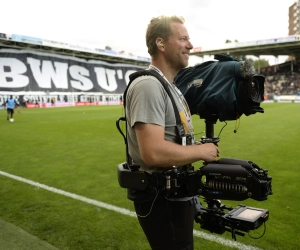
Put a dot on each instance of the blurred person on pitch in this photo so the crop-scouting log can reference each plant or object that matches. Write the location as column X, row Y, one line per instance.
column 153, row 140
column 10, row 107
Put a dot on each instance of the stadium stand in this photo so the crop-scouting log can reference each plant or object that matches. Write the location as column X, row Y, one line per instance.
column 281, row 79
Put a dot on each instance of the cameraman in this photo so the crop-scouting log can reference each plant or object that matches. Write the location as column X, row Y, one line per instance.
column 153, row 137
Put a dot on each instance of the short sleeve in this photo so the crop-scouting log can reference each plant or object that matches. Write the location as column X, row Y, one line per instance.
column 146, row 101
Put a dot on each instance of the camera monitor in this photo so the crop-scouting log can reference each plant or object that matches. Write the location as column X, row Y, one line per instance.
column 251, row 217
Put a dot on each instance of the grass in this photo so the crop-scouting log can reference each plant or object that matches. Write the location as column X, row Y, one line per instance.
column 77, row 149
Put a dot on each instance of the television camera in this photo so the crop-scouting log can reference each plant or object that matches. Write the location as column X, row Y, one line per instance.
column 216, row 90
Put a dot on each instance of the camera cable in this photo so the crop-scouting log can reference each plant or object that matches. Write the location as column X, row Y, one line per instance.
column 144, row 216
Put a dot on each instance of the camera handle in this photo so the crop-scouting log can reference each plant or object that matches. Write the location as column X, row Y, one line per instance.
column 209, row 128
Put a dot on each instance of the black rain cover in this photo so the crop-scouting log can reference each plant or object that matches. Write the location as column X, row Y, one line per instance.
column 211, row 90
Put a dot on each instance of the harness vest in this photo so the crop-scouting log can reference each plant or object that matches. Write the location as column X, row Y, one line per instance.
column 179, row 125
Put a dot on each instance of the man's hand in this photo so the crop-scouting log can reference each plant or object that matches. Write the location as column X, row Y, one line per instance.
column 210, row 151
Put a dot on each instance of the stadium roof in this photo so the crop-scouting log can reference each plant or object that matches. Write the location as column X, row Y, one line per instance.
column 47, row 46
column 286, row 46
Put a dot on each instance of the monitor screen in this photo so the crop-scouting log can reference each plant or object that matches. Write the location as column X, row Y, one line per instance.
column 249, row 214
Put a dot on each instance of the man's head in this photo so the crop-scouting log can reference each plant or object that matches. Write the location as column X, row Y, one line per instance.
column 167, row 34
column 11, row 96
column 159, row 27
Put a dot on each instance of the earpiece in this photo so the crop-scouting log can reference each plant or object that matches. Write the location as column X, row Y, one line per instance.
column 160, row 44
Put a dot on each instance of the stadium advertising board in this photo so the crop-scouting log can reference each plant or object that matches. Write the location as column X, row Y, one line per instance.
column 36, row 76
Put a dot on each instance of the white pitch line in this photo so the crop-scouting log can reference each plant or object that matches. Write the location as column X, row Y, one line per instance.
column 200, row 234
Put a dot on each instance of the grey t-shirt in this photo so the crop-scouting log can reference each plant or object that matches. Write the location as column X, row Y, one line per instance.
column 148, row 102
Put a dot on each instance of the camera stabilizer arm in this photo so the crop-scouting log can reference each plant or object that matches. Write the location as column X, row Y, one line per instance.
column 226, row 179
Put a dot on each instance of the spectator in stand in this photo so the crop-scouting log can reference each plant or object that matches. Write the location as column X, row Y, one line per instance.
column 282, row 82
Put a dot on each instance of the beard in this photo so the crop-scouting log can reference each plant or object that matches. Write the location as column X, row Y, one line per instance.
column 176, row 60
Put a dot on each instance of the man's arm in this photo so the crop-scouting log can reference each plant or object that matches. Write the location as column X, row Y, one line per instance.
column 156, row 151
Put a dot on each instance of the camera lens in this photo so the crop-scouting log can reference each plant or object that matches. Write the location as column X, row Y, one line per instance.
column 254, row 89
column 257, row 89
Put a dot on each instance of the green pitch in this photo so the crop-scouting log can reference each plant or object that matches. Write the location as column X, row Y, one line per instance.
column 77, row 150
